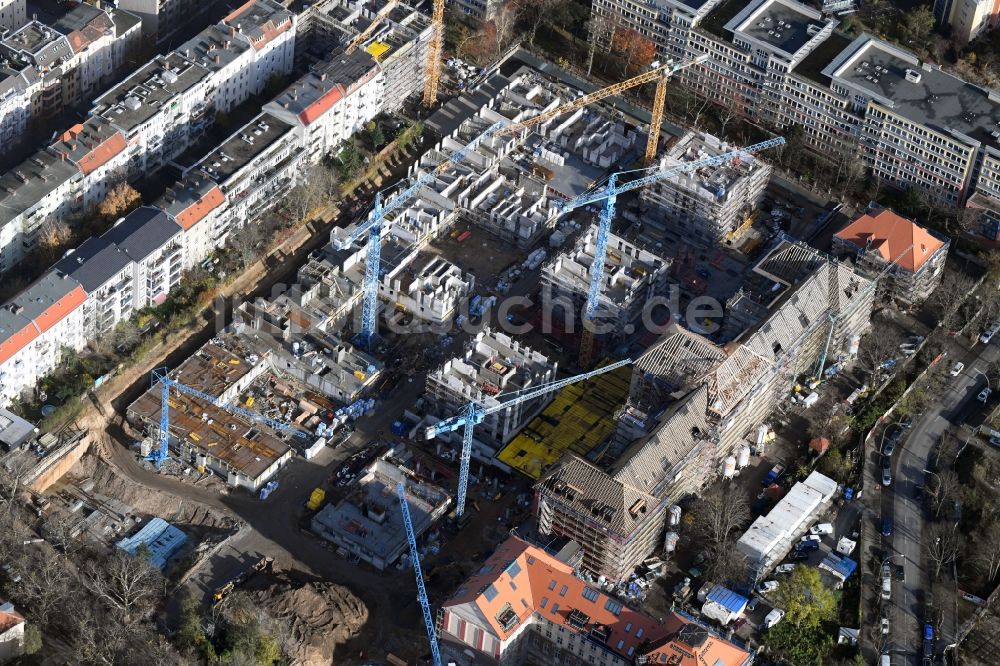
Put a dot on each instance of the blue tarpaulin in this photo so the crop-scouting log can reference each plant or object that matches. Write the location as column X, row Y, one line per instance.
column 840, row 566
column 727, row 598
column 160, row 537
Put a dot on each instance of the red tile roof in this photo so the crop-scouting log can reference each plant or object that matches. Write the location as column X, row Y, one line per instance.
column 202, row 207
column 525, row 580
column 58, row 310
column 323, row 104
column 892, row 236
column 9, row 620
column 18, row 341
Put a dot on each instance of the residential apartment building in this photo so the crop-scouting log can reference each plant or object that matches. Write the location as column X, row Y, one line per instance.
column 100, row 153
column 398, row 43
column 162, row 19
column 200, row 209
column 13, row 14
column 107, row 276
column 161, row 109
column 253, row 168
column 779, row 62
column 968, row 19
column 477, row 10
column 42, row 188
column 525, row 605
column 713, row 204
column 34, row 329
column 332, row 102
column 909, row 258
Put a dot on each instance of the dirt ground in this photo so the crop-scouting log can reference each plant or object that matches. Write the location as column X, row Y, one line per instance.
column 322, row 617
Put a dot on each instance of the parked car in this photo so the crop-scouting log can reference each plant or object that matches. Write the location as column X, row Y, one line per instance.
column 886, row 588
column 928, row 641
column 886, row 472
column 773, row 475
column 821, row 529
column 810, row 537
column 785, row 568
column 956, row 369
column 767, row 586
column 752, row 605
column 887, row 527
column 807, row 546
column 984, row 395
column 885, row 626
column 890, row 446
column 900, row 572
column 798, row 554
column 773, row 618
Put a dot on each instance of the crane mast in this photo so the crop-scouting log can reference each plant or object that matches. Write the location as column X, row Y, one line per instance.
column 425, row 604
column 609, row 194
column 370, row 227
column 474, row 414
column 433, row 73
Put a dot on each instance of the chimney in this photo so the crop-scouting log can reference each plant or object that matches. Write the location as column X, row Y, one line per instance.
column 232, row 31
column 322, row 77
column 218, row 58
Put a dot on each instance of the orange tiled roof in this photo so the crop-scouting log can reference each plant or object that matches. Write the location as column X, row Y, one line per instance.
column 525, row 580
column 18, row 341
column 9, row 620
column 58, row 310
column 322, row 105
column 199, row 209
column 891, row 235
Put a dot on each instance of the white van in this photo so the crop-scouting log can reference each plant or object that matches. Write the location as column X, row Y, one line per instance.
column 773, row 618
column 887, row 588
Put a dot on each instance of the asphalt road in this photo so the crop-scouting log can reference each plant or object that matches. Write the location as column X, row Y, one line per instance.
column 908, row 517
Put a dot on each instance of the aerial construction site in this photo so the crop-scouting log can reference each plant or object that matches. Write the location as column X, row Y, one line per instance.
column 495, row 373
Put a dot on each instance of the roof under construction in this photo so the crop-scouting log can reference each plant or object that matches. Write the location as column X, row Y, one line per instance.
column 578, row 420
column 238, row 445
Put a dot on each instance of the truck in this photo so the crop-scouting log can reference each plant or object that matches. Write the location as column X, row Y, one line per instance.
column 773, row 475
column 316, row 499
column 262, row 564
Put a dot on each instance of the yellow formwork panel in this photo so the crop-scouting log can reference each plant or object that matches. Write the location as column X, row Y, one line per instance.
column 579, row 418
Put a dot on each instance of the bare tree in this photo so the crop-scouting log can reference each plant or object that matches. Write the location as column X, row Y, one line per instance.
column 876, row 347
column 988, row 551
column 45, row 583
column 535, row 13
column 719, row 513
column 126, row 583
column 12, row 474
column 501, row 29
column 949, row 295
column 941, row 543
column 947, row 487
column 726, row 113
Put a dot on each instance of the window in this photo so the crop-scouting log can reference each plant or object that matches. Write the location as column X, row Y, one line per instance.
column 513, row 569
column 555, row 608
column 490, row 593
column 620, row 645
column 590, row 594
column 614, row 606
column 552, row 584
column 638, row 632
column 512, row 586
column 563, row 590
column 628, row 627
column 545, row 602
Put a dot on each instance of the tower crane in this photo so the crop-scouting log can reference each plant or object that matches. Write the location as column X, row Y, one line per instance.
column 609, row 194
column 433, row 73
column 161, row 377
column 360, row 38
column 425, row 604
column 474, row 414
column 659, row 98
column 371, row 227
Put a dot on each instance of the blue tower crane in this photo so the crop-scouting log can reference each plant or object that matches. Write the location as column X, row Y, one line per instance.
column 475, row 414
column 425, row 604
column 371, row 227
column 160, row 376
column 609, row 194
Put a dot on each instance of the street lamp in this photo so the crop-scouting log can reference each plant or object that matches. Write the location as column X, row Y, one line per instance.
column 986, row 377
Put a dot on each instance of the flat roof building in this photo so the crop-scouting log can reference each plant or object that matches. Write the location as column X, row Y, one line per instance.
column 368, row 523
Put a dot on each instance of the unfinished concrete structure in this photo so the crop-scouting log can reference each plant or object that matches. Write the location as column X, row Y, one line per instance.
column 282, row 331
column 712, row 204
column 427, row 286
column 246, row 454
column 632, row 276
column 368, row 524
column 493, row 363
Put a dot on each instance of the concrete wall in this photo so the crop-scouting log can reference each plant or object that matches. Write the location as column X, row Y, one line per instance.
column 53, row 467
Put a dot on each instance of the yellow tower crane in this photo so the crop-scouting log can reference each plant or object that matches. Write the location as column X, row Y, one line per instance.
column 360, row 38
column 434, row 54
column 656, row 119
